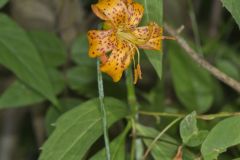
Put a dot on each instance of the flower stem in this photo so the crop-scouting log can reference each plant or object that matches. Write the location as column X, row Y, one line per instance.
column 103, row 112
column 132, row 101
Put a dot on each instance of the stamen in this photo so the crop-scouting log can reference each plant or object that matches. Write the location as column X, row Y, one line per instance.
column 135, row 76
column 139, row 71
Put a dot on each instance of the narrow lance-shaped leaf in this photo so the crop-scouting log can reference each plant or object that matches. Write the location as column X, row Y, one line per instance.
column 24, row 96
column 153, row 12
column 18, row 54
column 3, row 2
column 233, row 7
column 117, row 148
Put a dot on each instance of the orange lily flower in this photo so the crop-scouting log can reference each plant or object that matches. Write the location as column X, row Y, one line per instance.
column 116, row 46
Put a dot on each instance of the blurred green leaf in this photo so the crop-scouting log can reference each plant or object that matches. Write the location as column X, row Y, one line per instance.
column 166, row 147
column 193, row 85
column 52, row 114
column 153, row 13
column 189, row 132
column 83, row 80
column 50, row 47
column 18, row 54
column 79, row 128
column 20, row 95
column 224, row 135
column 117, row 148
column 233, row 8
column 228, row 68
column 80, row 52
column 3, row 2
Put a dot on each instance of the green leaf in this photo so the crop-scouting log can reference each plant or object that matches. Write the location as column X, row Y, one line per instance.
column 233, row 8
column 83, row 80
column 189, row 132
column 117, row 148
column 166, row 147
column 53, row 114
column 18, row 54
column 224, row 135
column 20, row 95
column 50, row 47
column 3, row 2
column 80, row 52
column 229, row 68
column 153, row 12
column 193, row 85
column 79, row 128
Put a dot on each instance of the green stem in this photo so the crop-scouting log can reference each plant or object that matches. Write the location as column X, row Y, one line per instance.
column 202, row 117
column 103, row 112
column 159, row 136
column 132, row 102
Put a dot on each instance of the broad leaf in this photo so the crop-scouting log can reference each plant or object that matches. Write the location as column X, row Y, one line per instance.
column 233, row 8
column 18, row 54
column 224, row 135
column 50, row 47
column 189, row 132
column 193, row 85
column 117, row 148
column 20, row 95
column 52, row 114
column 166, row 147
column 79, row 128
column 153, row 12
column 3, row 2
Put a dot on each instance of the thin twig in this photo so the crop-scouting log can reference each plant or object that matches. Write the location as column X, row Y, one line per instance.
column 202, row 117
column 103, row 112
column 159, row 136
column 202, row 62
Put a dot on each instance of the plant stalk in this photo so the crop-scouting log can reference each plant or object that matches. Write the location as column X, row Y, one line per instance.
column 103, row 112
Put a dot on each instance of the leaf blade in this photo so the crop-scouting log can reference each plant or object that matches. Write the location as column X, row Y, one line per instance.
column 66, row 141
column 20, row 56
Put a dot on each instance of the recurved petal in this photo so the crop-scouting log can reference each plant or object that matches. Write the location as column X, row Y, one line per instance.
column 119, row 60
column 100, row 42
column 135, row 11
column 111, row 10
column 152, row 35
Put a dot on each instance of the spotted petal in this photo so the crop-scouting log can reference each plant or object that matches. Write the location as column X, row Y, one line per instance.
column 152, row 35
column 135, row 14
column 100, row 42
column 119, row 60
column 111, row 10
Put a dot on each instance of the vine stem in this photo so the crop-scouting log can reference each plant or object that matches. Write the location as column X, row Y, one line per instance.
column 103, row 112
column 202, row 117
column 159, row 136
column 234, row 84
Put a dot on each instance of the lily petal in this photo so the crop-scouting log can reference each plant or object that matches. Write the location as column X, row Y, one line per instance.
column 152, row 35
column 135, row 11
column 119, row 60
column 100, row 42
column 111, row 10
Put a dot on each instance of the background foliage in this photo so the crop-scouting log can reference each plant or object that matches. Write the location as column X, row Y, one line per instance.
column 49, row 85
